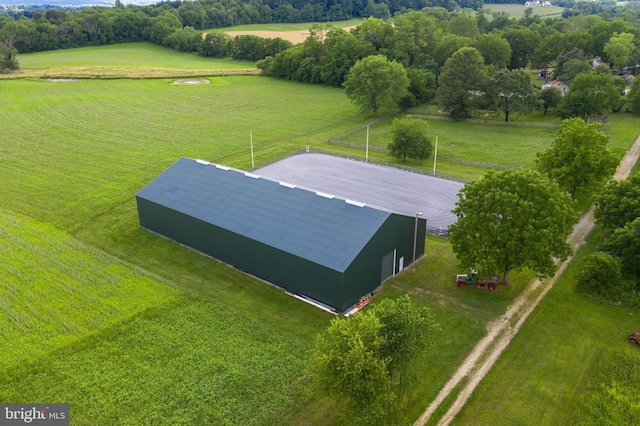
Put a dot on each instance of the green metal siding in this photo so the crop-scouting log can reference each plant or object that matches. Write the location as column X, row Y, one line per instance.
column 288, row 271
column 364, row 273
column 323, row 248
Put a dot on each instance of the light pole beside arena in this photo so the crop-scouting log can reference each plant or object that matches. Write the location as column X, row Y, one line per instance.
column 415, row 242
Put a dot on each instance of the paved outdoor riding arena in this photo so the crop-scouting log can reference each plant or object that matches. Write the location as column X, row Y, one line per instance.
column 377, row 186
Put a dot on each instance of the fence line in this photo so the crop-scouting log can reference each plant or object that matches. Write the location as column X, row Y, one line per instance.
column 442, row 232
column 441, row 157
column 481, row 121
column 387, row 164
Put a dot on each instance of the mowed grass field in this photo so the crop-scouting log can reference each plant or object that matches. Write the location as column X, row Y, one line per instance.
column 130, row 328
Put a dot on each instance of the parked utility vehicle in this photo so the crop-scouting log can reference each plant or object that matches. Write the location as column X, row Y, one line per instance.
column 471, row 279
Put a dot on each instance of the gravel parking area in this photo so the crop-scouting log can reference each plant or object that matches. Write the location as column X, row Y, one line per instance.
column 378, row 186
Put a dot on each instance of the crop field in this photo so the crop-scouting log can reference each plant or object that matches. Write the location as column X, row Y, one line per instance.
column 130, row 328
column 284, row 26
column 517, row 10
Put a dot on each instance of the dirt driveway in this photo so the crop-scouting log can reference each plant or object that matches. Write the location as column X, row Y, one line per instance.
column 500, row 332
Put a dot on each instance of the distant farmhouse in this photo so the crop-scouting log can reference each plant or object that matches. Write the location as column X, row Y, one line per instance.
column 556, row 83
column 331, row 252
column 537, row 3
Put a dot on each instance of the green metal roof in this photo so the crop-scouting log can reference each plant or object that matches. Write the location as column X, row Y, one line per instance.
column 327, row 231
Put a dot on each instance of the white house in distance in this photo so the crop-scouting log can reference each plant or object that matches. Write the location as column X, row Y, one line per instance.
column 537, row 3
column 556, row 83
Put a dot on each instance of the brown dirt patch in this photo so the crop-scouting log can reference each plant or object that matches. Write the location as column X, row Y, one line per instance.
column 191, row 81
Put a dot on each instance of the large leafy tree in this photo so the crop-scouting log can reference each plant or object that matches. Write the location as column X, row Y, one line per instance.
column 462, row 79
column 634, row 95
column 410, row 139
column 512, row 91
column 551, row 97
column 415, row 34
column 619, row 203
column 494, row 49
column 625, row 243
column 523, row 42
column 8, row 59
column 578, row 157
column 348, row 364
column 619, row 48
column 362, row 360
column 591, row 96
column 512, row 219
column 375, row 83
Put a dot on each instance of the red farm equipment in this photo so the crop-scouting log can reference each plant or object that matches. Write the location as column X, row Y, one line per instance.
column 471, row 279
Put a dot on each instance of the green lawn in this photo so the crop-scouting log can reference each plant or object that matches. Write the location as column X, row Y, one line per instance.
column 142, row 54
column 541, row 377
column 481, row 143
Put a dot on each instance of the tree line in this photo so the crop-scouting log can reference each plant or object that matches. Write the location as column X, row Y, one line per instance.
column 58, row 28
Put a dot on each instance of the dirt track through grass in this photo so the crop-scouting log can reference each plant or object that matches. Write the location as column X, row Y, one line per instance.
column 503, row 330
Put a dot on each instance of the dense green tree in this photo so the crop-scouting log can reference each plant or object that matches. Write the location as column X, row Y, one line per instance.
column 462, row 79
column 422, row 87
column 591, row 96
column 185, row 39
column 578, row 156
column 361, row 361
column 571, row 69
column 624, row 243
column 634, row 95
column 494, row 49
column 348, row 364
column 162, row 26
column 376, row 32
column 407, row 331
column 523, row 42
column 449, row 45
column 464, row 25
column 409, row 139
column 215, row 44
column 551, row 98
column 601, row 33
column 340, row 51
column 599, row 273
column 512, row 91
column 561, row 60
column 8, row 61
column 619, row 203
column 557, row 44
column 375, row 83
column 415, row 34
column 512, row 219
column 619, row 48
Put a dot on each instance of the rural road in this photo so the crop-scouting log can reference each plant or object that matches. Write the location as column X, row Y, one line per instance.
column 501, row 331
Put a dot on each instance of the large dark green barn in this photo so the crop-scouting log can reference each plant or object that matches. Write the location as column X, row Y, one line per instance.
column 331, row 250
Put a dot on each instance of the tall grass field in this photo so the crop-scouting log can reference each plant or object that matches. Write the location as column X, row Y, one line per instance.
column 130, row 328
